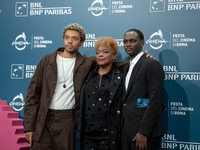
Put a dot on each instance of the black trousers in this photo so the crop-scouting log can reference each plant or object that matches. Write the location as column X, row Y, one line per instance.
column 95, row 144
column 153, row 143
column 59, row 131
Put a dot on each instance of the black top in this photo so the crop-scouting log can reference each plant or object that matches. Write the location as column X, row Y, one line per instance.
column 96, row 105
column 113, row 115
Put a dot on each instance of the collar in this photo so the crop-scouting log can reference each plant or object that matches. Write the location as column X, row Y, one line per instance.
column 61, row 50
column 59, row 56
column 108, row 74
column 135, row 60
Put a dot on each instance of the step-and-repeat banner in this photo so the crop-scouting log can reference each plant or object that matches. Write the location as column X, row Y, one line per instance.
column 31, row 29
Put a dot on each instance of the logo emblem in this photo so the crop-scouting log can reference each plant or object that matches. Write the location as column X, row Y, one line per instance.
column 17, row 71
column 20, row 42
column 97, row 8
column 156, row 40
column 157, row 6
column 18, row 102
column 21, row 9
column 142, row 102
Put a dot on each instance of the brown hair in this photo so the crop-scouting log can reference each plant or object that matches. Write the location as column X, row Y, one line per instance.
column 75, row 27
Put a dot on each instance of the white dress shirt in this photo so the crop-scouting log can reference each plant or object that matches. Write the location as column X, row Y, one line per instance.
column 131, row 66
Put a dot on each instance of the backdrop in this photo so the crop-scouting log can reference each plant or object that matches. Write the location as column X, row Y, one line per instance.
column 31, row 29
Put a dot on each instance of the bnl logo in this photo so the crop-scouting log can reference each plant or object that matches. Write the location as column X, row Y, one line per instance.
column 21, row 9
column 157, row 5
column 17, row 71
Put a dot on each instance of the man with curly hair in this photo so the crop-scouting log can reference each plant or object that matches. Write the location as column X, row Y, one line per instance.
column 52, row 102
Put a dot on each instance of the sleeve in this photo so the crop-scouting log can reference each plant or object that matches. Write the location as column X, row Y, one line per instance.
column 155, row 83
column 121, row 65
column 94, row 63
column 32, row 100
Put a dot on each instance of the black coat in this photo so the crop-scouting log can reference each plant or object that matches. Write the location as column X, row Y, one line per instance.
column 114, row 109
column 146, row 82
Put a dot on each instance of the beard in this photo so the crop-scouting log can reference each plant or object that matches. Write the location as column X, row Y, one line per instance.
column 73, row 51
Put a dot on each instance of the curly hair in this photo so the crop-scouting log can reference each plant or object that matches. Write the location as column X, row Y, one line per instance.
column 108, row 42
column 76, row 27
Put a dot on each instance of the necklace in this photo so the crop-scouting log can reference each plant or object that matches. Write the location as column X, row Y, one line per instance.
column 69, row 72
column 64, row 85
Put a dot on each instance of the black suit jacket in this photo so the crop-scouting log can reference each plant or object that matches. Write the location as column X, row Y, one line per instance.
column 146, row 82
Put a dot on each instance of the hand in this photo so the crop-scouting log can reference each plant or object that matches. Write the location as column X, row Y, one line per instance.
column 141, row 141
column 148, row 55
column 29, row 137
column 162, row 108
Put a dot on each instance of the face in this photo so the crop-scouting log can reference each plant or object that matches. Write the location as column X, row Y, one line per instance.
column 104, row 56
column 132, row 44
column 72, row 41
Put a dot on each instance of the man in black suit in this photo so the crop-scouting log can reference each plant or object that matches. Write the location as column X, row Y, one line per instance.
column 142, row 98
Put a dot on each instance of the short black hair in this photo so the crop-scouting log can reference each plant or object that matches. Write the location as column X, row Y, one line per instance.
column 138, row 32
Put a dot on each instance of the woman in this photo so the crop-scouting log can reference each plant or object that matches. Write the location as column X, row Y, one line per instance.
column 99, row 122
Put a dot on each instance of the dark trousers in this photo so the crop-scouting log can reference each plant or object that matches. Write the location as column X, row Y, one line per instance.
column 58, row 132
column 95, row 144
column 95, row 134
column 153, row 143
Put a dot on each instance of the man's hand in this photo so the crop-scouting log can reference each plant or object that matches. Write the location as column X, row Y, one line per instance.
column 141, row 141
column 29, row 137
column 148, row 55
column 162, row 108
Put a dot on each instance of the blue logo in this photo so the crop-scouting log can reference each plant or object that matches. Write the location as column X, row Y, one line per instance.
column 142, row 102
